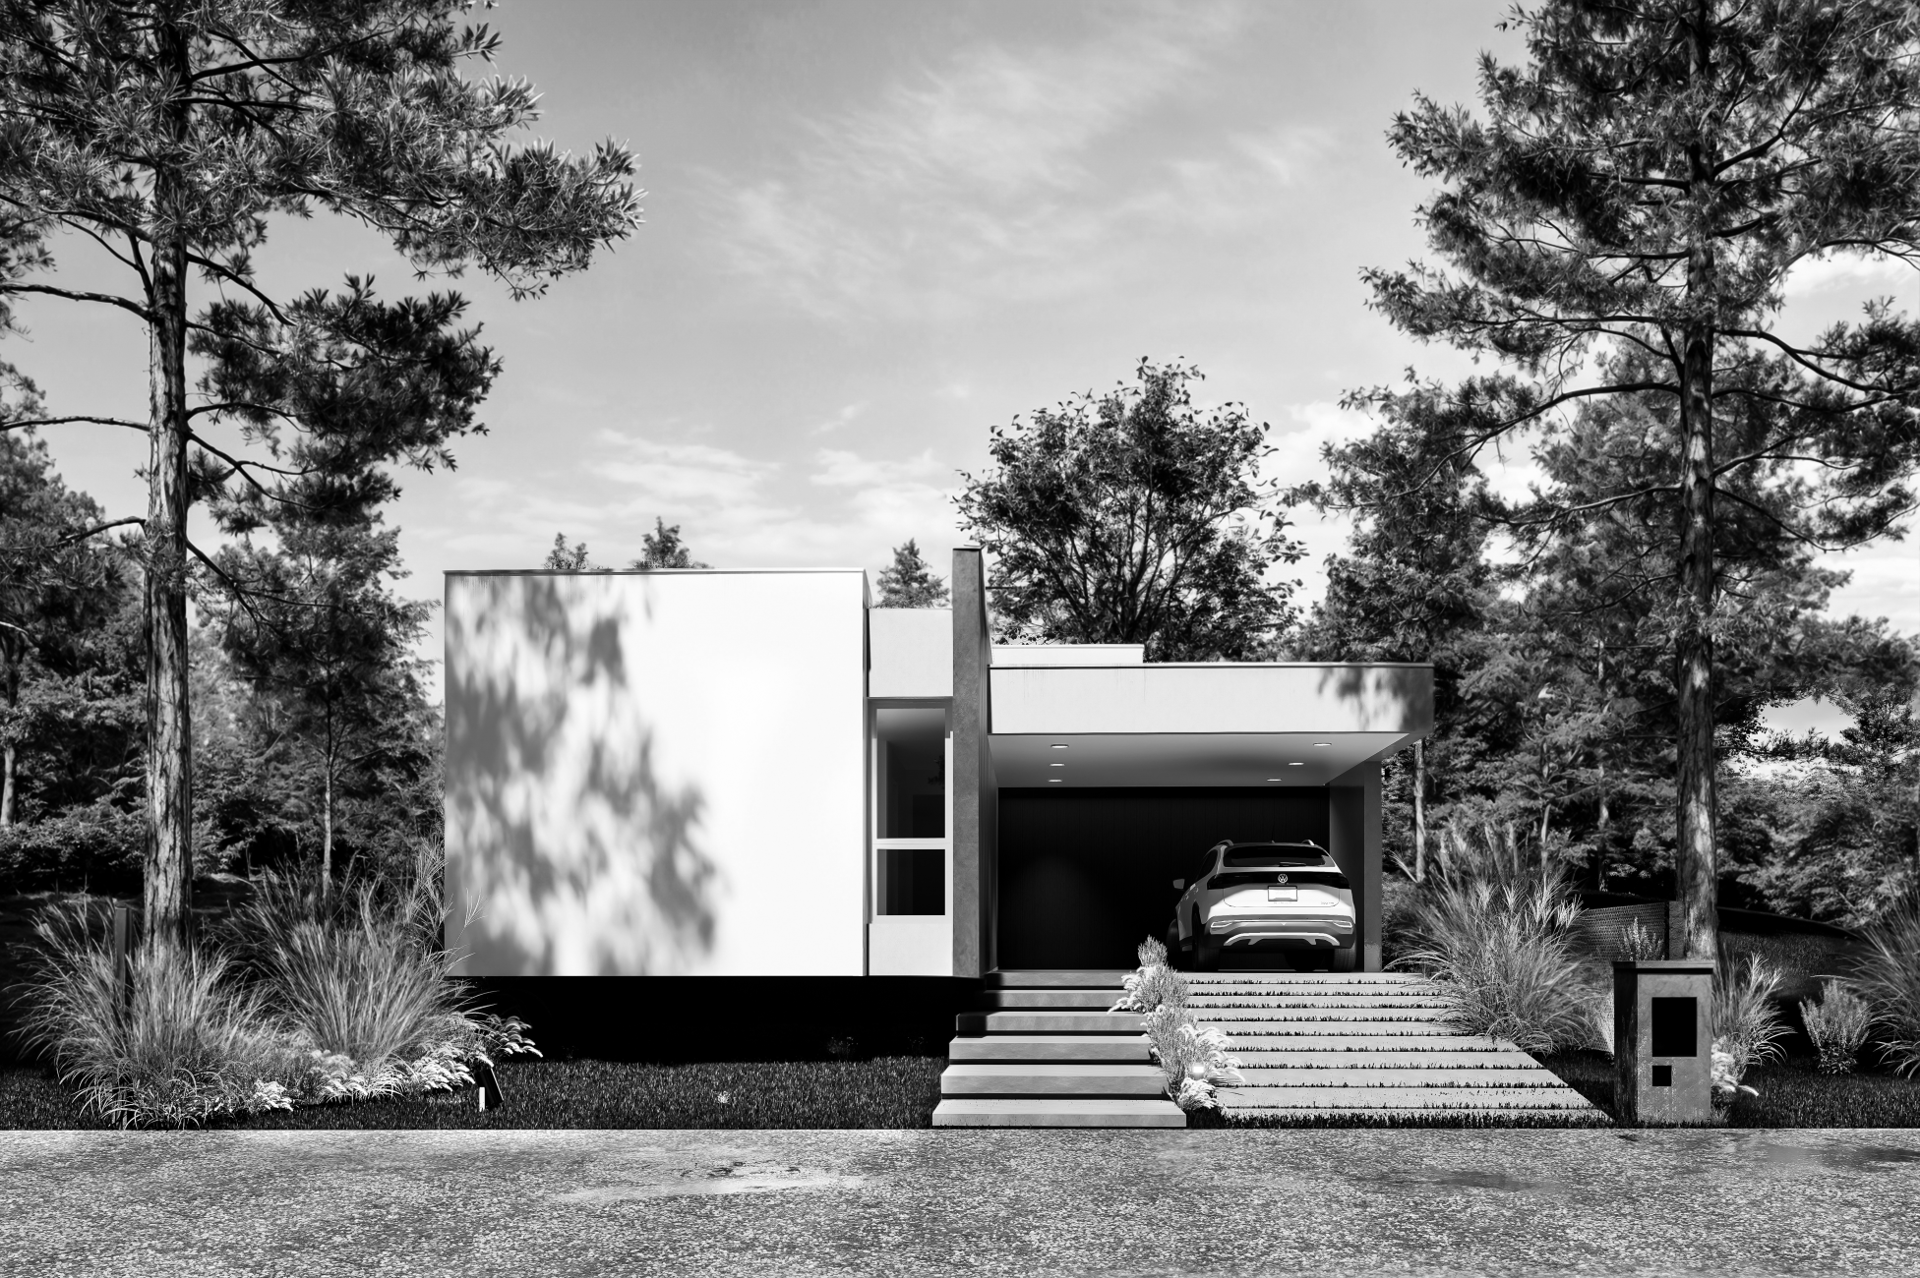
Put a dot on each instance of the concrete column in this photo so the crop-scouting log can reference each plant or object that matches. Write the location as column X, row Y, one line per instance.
column 1353, row 835
column 974, row 808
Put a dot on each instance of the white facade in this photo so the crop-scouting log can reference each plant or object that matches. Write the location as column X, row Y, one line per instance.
column 657, row 773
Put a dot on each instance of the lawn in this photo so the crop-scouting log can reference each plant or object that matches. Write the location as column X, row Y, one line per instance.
column 887, row 1091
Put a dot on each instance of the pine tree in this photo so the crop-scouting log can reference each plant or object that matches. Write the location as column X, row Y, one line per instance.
column 165, row 136
column 910, row 582
column 1624, row 220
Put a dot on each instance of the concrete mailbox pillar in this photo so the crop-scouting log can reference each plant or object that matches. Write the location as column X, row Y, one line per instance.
column 1661, row 1044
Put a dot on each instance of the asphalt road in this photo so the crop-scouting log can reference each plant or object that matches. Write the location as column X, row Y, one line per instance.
column 960, row 1202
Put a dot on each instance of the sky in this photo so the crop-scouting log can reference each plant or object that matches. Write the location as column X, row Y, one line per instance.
column 876, row 230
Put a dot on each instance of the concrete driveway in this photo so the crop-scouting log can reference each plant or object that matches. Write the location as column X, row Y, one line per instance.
column 945, row 1202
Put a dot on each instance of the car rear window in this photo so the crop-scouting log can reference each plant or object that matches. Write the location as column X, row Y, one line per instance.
column 1272, row 855
column 1313, row 875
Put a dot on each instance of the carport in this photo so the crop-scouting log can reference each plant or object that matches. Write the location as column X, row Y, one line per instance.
column 1114, row 775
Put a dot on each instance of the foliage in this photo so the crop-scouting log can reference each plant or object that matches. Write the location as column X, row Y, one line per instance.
column 171, row 140
column 1638, row 943
column 310, row 625
column 1193, row 1057
column 1153, row 984
column 663, row 548
column 1744, row 1020
column 1135, row 517
column 1621, row 225
column 564, row 558
column 1888, row 978
column 65, row 679
column 1837, row 1025
column 1497, row 945
column 176, row 1047
column 909, row 583
column 356, row 978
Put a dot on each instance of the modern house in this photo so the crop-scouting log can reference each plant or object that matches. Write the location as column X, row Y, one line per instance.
column 757, row 773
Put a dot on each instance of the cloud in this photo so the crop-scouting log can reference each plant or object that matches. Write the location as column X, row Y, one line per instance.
column 1003, row 175
column 1874, row 276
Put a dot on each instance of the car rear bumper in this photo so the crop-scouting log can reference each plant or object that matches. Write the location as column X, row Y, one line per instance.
column 1321, row 933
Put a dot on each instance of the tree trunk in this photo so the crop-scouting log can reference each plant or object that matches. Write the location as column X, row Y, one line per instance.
column 169, row 867
column 1695, row 862
column 6, row 786
column 1419, row 812
column 326, row 830
column 8, row 762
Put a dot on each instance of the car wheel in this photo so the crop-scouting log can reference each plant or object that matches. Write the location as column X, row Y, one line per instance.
column 1343, row 959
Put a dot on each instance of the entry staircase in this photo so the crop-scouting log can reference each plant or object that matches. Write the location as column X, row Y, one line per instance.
column 1045, row 1052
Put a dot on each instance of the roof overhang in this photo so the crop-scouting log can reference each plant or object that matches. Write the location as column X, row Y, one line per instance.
column 1202, row 724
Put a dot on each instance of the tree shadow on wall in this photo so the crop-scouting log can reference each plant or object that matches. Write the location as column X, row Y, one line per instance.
column 566, row 825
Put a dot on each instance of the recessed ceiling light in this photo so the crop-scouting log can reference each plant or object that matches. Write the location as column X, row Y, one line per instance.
column 1056, row 765
column 1273, row 778
column 1321, row 744
column 1296, row 765
column 1053, row 781
column 1056, row 747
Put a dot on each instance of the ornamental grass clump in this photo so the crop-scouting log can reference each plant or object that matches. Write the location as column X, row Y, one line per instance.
column 1193, row 1057
column 357, row 980
column 171, row 1042
column 1500, row 954
column 1838, row 1026
column 1887, row 978
column 1744, row 1022
column 1639, row 944
column 1153, row 984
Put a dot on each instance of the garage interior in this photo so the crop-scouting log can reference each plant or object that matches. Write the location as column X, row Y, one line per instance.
column 1086, row 873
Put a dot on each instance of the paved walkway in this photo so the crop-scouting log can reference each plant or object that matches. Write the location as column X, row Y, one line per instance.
column 960, row 1202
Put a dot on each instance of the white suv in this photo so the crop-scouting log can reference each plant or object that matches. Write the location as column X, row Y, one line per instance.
column 1247, row 897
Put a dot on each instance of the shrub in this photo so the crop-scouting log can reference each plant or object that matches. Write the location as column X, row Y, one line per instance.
column 1502, row 958
column 1838, row 1025
column 1887, row 976
column 1744, row 1019
column 174, row 1047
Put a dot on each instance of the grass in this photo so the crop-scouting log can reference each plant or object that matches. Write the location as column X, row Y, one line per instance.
column 1793, row 1093
column 885, row 1092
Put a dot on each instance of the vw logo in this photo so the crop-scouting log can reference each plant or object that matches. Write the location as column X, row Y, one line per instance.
column 1280, row 878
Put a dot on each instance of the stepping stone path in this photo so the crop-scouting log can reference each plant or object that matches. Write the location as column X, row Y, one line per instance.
column 1045, row 1052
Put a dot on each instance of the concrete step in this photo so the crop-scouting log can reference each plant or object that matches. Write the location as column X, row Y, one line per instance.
column 1105, row 1048
column 1306, row 1002
column 971, row 1079
column 968, row 1024
column 1084, row 1000
column 1308, row 1041
column 1114, row 1111
column 1313, row 1076
column 1387, row 1115
column 1267, row 1057
column 1352, row 980
column 1237, row 1100
column 1075, row 978
column 1328, row 1016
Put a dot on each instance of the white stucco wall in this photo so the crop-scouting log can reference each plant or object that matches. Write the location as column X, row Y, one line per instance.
column 911, row 652
column 656, row 773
